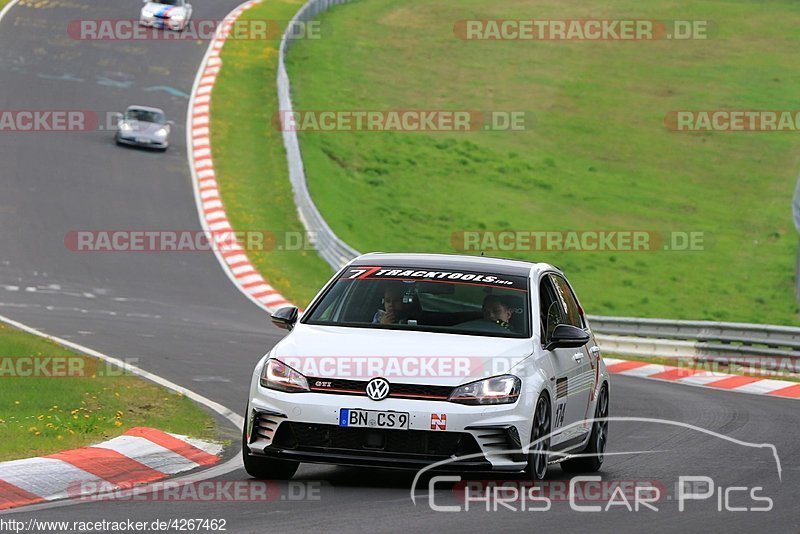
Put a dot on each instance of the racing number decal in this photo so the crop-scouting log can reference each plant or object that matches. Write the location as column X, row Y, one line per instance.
column 562, row 390
column 438, row 421
column 558, row 420
column 361, row 273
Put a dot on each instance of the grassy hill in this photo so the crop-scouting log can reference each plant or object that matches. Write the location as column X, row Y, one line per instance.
column 598, row 157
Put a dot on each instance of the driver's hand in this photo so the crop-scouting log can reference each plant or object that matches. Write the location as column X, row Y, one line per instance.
column 388, row 318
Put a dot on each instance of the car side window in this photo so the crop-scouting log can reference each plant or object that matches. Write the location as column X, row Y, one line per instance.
column 569, row 306
column 550, row 310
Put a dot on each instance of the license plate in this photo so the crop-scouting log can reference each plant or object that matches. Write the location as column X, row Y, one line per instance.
column 372, row 419
column 142, row 141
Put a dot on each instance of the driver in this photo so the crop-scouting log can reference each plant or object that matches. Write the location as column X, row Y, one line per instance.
column 396, row 310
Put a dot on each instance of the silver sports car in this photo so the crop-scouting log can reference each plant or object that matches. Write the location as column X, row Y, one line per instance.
column 144, row 127
column 169, row 14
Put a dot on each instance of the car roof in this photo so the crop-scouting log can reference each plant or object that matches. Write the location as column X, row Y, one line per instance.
column 145, row 108
column 458, row 262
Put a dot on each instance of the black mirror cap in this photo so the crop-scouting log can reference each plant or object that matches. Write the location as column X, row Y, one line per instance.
column 566, row 336
column 285, row 318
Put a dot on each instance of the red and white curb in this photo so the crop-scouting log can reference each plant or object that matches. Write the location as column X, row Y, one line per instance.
column 699, row 377
column 231, row 255
column 139, row 456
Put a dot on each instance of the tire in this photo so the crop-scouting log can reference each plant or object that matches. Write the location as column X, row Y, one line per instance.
column 538, row 453
column 266, row 468
column 596, row 447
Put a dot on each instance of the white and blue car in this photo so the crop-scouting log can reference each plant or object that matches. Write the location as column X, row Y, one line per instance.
column 408, row 360
column 167, row 14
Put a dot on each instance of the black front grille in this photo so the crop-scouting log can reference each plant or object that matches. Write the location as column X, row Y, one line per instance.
column 331, row 438
column 340, row 386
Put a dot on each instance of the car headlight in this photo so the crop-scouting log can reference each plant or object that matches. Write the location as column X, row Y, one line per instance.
column 161, row 133
column 278, row 375
column 148, row 14
column 496, row 390
column 125, row 127
column 178, row 16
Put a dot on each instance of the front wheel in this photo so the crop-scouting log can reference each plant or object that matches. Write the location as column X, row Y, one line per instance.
column 539, row 446
column 592, row 456
column 266, row 468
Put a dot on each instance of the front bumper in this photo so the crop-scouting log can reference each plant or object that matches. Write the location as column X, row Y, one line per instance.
column 305, row 427
column 157, row 22
column 142, row 142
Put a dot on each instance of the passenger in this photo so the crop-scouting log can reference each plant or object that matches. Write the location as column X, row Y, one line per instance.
column 497, row 311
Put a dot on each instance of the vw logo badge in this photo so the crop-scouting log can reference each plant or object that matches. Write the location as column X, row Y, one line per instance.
column 378, row 389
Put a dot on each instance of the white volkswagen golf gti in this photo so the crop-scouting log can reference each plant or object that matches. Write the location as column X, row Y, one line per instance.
column 406, row 360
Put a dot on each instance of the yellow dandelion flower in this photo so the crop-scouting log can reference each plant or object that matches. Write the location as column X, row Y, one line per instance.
column 59, row 437
column 117, row 423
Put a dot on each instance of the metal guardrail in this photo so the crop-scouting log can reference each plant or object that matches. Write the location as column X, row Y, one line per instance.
column 332, row 249
column 704, row 340
column 707, row 340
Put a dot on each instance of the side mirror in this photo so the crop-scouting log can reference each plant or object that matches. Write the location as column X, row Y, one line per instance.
column 566, row 336
column 285, row 318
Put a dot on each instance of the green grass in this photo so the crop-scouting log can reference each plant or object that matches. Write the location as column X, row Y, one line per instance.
column 250, row 160
column 41, row 415
column 599, row 156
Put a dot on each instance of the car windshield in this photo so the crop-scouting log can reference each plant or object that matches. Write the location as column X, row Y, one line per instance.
column 169, row 2
column 145, row 116
column 426, row 299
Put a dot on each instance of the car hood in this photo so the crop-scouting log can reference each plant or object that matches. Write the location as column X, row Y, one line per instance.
column 398, row 356
column 144, row 128
column 161, row 10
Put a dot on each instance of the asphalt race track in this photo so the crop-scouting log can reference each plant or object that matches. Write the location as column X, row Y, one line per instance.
column 179, row 316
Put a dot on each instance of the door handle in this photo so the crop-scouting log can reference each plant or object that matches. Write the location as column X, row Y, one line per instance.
column 595, row 350
column 578, row 357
